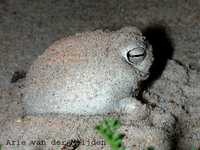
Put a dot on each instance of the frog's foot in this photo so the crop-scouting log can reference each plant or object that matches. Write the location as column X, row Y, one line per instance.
column 150, row 125
column 136, row 113
column 132, row 106
column 132, row 110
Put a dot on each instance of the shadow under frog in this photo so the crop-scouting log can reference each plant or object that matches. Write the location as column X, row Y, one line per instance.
column 89, row 73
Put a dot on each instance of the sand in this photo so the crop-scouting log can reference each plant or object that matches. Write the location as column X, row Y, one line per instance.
column 27, row 28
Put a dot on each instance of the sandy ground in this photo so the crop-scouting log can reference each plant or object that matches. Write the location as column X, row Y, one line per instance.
column 27, row 28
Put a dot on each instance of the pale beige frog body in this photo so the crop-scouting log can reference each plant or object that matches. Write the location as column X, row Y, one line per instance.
column 89, row 73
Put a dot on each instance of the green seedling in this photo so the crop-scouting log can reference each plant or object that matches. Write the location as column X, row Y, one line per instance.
column 150, row 148
column 193, row 148
column 108, row 133
column 114, row 141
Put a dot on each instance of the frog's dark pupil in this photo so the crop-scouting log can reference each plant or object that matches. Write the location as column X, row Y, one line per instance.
column 139, row 55
column 136, row 56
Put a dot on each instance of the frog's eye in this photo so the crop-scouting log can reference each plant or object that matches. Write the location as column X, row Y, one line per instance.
column 136, row 55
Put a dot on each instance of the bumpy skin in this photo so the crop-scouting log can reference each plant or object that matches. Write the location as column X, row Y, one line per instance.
column 86, row 74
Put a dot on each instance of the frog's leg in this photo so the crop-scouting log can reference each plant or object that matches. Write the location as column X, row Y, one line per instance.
column 133, row 107
column 133, row 111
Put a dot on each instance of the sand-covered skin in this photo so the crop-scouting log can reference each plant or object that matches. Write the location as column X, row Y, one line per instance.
column 88, row 73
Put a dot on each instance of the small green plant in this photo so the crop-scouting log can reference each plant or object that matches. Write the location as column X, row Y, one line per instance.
column 0, row 146
column 193, row 148
column 115, row 140
column 150, row 148
column 108, row 133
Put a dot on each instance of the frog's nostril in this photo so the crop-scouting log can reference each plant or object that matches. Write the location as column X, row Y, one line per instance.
column 136, row 55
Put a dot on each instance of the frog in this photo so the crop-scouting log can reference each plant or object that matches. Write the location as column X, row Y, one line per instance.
column 91, row 73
